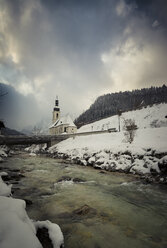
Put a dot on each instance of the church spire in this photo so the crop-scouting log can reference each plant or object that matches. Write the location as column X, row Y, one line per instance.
column 56, row 111
column 56, row 102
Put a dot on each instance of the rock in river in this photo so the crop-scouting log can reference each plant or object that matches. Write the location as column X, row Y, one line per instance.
column 84, row 210
column 67, row 178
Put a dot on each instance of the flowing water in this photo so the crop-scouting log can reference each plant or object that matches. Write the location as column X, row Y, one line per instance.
column 124, row 213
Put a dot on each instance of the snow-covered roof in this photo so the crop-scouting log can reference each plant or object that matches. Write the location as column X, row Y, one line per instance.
column 65, row 120
column 54, row 124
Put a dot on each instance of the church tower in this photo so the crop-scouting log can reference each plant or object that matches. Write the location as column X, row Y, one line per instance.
column 56, row 111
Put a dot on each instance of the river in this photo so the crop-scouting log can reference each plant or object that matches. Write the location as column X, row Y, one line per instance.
column 124, row 212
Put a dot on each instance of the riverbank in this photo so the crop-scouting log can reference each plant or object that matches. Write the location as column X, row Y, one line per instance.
column 16, row 229
column 145, row 156
column 150, row 165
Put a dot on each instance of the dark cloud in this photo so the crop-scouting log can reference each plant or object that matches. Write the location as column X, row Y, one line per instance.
column 81, row 49
column 153, row 9
column 17, row 110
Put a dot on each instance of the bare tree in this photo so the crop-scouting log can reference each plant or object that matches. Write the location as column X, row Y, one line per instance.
column 36, row 130
column 130, row 128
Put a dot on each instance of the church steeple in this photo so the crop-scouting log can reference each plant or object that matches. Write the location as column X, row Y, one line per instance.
column 57, row 102
column 56, row 111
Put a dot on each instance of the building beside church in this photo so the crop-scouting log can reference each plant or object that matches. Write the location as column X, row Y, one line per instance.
column 61, row 124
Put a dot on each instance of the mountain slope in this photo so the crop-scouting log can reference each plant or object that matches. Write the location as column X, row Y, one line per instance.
column 154, row 116
column 7, row 131
column 110, row 104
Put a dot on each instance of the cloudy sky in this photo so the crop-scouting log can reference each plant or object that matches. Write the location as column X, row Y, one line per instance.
column 78, row 50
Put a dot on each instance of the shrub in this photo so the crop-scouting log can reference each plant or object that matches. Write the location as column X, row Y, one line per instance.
column 130, row 128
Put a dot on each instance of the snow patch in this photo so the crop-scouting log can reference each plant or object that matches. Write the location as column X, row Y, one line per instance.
column 55, row 233
column 15, row 227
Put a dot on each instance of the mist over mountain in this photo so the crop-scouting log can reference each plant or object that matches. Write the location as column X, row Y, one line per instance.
column 7, row 131
column 110, row 104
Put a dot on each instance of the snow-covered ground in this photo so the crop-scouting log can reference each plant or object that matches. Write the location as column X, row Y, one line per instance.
column 111, row 151
column 16, row 229
column 34, row 149
column 150, row 138
column 145, row 118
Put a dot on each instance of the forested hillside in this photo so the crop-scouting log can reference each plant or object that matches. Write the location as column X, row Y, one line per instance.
column 110, row 104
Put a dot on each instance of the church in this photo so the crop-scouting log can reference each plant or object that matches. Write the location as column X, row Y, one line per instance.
column 61, row 124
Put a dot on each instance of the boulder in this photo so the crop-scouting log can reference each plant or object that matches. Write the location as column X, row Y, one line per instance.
column 85, row 210
column 43, row 236
column 28, row 202
column 78, row 180
column 163, row 165
column 67, row 178
column 64, row 178
column 102, row 172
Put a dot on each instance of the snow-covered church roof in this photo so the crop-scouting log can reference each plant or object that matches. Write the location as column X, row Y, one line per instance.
column 65, row 120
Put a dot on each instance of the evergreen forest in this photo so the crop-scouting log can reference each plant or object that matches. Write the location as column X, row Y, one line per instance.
column 115, row 103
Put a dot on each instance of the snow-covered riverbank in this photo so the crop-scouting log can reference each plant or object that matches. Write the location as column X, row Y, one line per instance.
column 146, row 155
column 16, row 229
